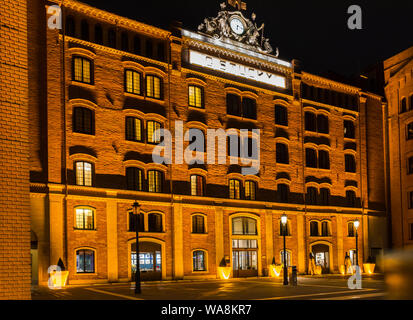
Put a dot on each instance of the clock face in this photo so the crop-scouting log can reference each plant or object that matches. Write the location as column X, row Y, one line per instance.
column 237, row 26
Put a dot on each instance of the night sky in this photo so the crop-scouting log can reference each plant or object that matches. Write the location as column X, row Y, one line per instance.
column 313, row 31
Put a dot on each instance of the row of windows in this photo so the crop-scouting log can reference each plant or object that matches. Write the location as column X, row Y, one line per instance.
column 406, row 105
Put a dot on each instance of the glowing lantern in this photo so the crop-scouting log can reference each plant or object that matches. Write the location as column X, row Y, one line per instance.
column 369, row 268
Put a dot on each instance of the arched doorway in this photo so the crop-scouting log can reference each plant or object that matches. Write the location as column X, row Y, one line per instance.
column 150, row 260
column 322, row 256
column 34, row 261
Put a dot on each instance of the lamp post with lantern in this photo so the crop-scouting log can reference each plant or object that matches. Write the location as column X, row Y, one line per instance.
column 136, row 212
column 356, row 226
column 284, row 220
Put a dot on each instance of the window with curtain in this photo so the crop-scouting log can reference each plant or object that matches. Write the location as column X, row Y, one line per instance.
column 132, row 82
column 350, row 163
column 153, row 135
column 281, row 115
column 83, row 120
column 198, row 224
column 234, row 104
column 195, row 95
column 155, row 181
column 244, row 226
column 282, row 155
column 234, row 189
column 250, row 190
column 199, row 260
column 310, row 158
column 85, row 219
column 323, row 159
column 84, row 172
column 155, row 222
column 197, row 185
column 314, row 229
column 153, row 87
column 85, row 261
column 134, row 179
column 283, row 191
column 82, row 70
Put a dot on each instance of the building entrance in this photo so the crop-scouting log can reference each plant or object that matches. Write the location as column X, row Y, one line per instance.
column 150, row 261
column 244, row 258
column 322, row 257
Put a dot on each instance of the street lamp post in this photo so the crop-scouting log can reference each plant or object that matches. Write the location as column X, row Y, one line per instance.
column 284, row 225
column 356, row 226
column 136, row 211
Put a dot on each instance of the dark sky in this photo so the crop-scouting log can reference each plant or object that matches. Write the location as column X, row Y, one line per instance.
column 313, row 31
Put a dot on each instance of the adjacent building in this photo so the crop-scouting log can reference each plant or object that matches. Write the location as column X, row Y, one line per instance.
column 102, row 87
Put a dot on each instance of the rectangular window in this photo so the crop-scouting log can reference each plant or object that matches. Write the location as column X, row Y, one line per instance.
column 153, row 87
column 85, row 219
column 154, row 181
column 133, row 82
column 199, row 261
column 249, row 108
column 282, row 155
column 281, row 115
column 195, row 95
column 153, row 135
column 132, row 222
column 325, row 196
column 283, row 191
column 250, row 190
column 234, row 189
column 349, row 130
column 133, row 129
column 234, row 105
column 323, row 159
column 310, row 122
column 350, row 163
column 311, row 158
column 84, row 174
column 134, row 179
column 312, row 194
column 82, row 70
column 198, row 224
column 197, row 185
column 85, row 261
column 83, row 120
column 322, row 124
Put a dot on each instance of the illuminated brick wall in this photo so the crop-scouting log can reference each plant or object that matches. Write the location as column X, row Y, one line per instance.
column 15, row 276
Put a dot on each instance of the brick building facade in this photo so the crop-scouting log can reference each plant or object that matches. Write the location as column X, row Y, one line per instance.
column 111, row 81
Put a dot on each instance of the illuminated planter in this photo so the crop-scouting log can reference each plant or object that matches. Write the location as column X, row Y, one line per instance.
column 275, row 270
column 318, row 270
column 224, row 272
column 369, row 268
column 58, row 279
column 342, row 269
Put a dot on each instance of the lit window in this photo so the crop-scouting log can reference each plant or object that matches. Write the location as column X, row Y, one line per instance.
column 350, row 163
column 195, row 96
column 197, row 185
column 314, row 229
column 133, row 129
column 288, row 257
column 83, row 120
column 82, row 70
column 234, row 189
column 85, row 261
column 244, row 226
column 154, row 181
column 199, row 260
column 153, row 133
column 83, row 174
column 134, row 179
column 153, row 87
column 132, row 82
column 85, row 219
column 351, row 230
column 250, row 190
column 198, row 224
column 155, row 222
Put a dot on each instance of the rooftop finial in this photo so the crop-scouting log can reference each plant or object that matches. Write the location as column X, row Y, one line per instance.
column 238, row 4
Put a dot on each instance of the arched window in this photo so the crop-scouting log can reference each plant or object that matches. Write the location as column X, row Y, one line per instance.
column 282, row 155
column 314, row 232
column 155, row 181
column 112, row 38
column 82, row 70
column 199, row 260
column 349, row 130
column 198, row 224
column 197, row 185
column 234, row 189
column 83, row 120
column 133, row 82
column 124, row 41
column 351, row 230
column 134, row 179
column 249, row 108
column 155, row 222
column 153, row 87
column 310, row 122
column 70, row 27
column 283, row 192
column 234, row 104
column 85, row 261
column 322, row 124
column 281, row 115
column 250, row 190
column 133, row 129
column 244, row 226
column 325, row 229
column 325, row 196
column 85, row 219
column 288, row 257
column 98, row 34
column 351, row 198
column 84, row 30
column 312, row 195
column 84, row 173
column 350, row 163
column 403, row 105
column 195, row 96
column 153, row 134
column 132, row 222
column 323, row 159
column 310, row 158
column 286, row 229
